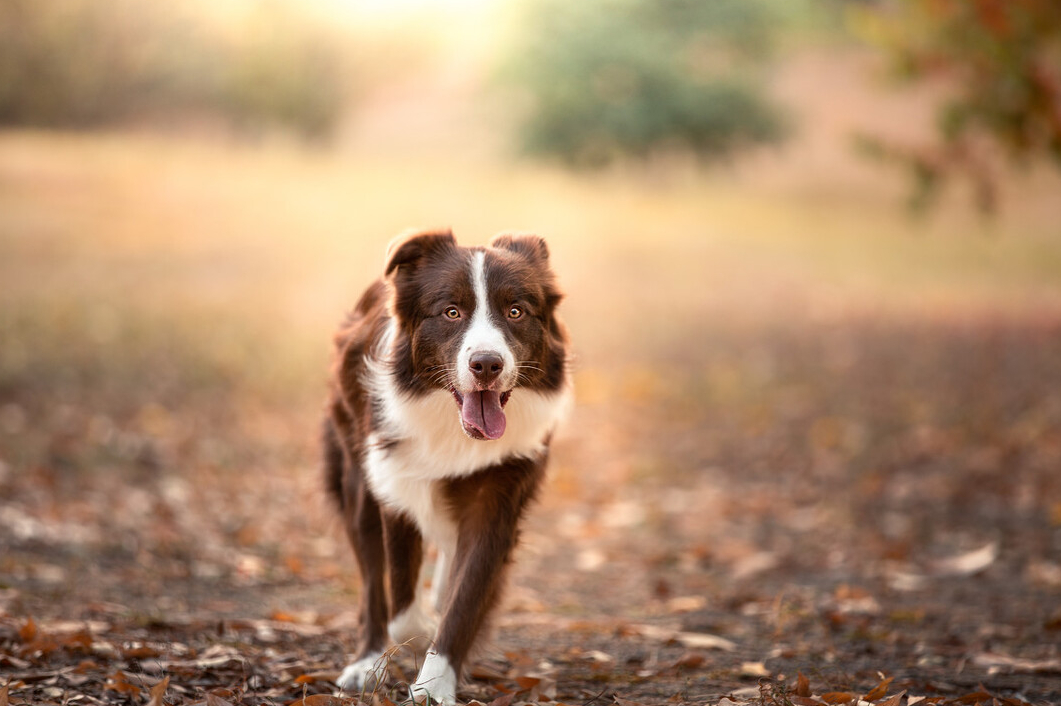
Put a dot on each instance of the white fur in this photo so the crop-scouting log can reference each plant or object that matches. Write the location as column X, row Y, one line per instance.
column 433, row 445
column 440, row 580
column 483, row 335
column 364, row 674
column 414, row 627
column 437, row 682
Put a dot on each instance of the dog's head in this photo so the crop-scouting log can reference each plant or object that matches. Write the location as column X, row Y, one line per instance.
column 479, row 323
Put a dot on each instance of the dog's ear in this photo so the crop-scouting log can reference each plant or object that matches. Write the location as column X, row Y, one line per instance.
column 409, row 248
column 528, row 244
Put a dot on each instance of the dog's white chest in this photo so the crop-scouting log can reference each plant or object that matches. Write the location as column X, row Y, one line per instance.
column 420, row 443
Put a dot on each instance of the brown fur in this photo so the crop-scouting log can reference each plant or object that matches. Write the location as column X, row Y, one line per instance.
column 486, row 506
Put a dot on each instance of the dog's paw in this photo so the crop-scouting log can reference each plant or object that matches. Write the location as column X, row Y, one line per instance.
column 363, row 675
column 437, row 682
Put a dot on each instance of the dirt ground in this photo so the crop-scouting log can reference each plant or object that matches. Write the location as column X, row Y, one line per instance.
column 877, row 507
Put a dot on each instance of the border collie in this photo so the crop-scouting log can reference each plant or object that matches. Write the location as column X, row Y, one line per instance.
column 450, row 377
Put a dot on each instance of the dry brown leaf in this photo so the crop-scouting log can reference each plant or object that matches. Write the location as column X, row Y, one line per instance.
column 528, row 683
column 213, row 699
column 318, row 700
column 283, row 617
column 504, row 699
column 691, row 660
column 3, row 694
column 837, row 697
column 140, row 652
column 119, row 682
column 805, row 701
column 620, row 701
column 28, row 632
column 157, row 692
column 893, row 701
column 879, row 691
column 485, row 672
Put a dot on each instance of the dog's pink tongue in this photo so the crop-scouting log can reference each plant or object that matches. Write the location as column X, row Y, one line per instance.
column 482, row 411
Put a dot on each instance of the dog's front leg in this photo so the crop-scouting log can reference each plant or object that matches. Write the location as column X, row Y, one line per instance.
column 487, row 508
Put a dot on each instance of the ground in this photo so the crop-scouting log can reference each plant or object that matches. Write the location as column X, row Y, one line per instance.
column 814, row 456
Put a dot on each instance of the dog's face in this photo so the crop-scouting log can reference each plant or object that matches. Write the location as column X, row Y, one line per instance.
column 479, row 323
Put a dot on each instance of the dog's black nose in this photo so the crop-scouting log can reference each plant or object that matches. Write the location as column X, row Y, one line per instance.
column 486, row 366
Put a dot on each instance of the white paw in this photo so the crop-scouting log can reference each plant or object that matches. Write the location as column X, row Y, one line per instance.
column 413, row 628
column 363, row 675
column 437, row 683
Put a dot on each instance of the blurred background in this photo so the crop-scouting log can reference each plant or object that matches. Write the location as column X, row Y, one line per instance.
column 812, row 252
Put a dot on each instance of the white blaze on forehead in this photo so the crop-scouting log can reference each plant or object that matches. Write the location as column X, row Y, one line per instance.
column 483, row 334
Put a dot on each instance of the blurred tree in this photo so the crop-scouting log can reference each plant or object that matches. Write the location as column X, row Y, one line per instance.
column 632, row 78
column 87, row 63
column 1000, row 61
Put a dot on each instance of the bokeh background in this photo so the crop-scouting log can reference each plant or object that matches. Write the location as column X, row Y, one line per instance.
column 812, row 253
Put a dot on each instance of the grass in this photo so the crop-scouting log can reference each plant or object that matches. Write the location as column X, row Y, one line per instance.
column 229, row 250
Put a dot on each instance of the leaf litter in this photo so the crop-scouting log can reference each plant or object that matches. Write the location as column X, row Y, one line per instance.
column 777, row 512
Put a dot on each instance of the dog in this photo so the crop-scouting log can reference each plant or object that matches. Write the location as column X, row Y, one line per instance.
column 451, row 376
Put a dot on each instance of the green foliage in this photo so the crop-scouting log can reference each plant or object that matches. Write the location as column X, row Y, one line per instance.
column 629, row 78
column 998, row 60
column 89, row 63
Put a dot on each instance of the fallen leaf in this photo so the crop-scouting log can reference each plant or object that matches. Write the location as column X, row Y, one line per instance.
column 3, row 694
column 28, row 632
column 213, row 699
column 504, row 699
column 528, row 683
column 140, row 652
column 995, row 663
column 599, row 657
column 485, row 672
column 318, row 700
column 157, row 692
column 754, row 669
column 620, row 701
column 690, row 660
column 969, row 563
column 879, row 691
column 685, row 604
column 837, row 697
column 893, row 701
column 693, row 640
column 119, row 682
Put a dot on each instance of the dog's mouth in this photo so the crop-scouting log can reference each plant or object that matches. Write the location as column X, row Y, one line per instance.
column 482, row 412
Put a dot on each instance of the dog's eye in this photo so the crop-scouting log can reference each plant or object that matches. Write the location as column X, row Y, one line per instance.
column 452, row 312
column 515, row 312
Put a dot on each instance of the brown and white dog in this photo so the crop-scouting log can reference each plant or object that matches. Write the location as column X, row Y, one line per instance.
column 451, row 375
